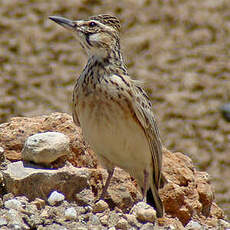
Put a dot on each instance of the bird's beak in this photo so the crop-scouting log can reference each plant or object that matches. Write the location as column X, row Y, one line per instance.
column 66, row 23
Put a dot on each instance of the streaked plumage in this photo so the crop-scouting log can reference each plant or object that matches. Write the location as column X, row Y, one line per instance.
column 113, row 111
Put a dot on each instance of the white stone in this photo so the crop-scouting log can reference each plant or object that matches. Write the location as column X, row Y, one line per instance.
column 193, row 225
column 13, row 204
column 70, row 214
column 55, row 198
column 45, row 148
column 224, row 224
column 3, row 221
column 144, row 212
column 147, row 226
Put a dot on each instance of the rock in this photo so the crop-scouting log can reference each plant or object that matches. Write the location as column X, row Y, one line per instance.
column 186, row 190
column 148, row 226
column 55, row 198
column 39, row 203
column 84, row 197
column 3, row 221
column 2, row 157
column 13, row 204
column 94, row 220
column 132, row 220
column 122, row 224
column 39, row 183
column 224, row 224
column 70, row 214
column 100, row 206
column 1, row 202
column 104, row 220
column 44, row 148
column 144, row 212
column 14, row 134
column 193, row 225
column 187, row 194
column 14, row 219
column 122, row 192
column 8, row 196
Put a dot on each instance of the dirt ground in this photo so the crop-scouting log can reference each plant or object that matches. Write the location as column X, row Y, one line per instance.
column 179, row 48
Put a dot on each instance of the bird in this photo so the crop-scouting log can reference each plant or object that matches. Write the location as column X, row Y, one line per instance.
column 113, row 110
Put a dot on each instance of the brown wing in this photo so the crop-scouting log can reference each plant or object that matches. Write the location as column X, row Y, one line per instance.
column 143, row 110
column 74, row 100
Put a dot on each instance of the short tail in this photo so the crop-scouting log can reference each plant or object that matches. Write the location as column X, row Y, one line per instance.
column 154, row 200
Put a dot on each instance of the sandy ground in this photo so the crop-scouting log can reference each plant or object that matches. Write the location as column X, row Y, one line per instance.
column 179, row 48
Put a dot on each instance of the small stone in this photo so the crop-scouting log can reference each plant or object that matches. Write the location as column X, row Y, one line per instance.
column 122, row 224
column 85, row 197
column 1, row 202
column 70, row 214
column 144, row 212
column 45, row 148
column 55, row 198
column 146, row 215
column 13, row 204
column 114, row 217
column 8, row 196
column 193, row 225
column 104, row 220
column 224, row 224
column 100, row 206
column 40, row 203
column 147, row 226
column 14, row 218
column 2, row 221
column 44, row 214
column 94, row 220
column 2, row 156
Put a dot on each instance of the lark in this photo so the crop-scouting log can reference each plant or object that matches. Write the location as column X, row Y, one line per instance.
column 114, row 112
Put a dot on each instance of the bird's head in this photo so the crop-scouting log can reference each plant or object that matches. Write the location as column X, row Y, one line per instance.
column 98, row 35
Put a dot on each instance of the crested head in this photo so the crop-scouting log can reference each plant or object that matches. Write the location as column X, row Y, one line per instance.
column 98, row 35
column 109, row 20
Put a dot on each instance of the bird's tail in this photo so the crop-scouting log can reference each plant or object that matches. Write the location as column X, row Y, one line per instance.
column 154, row 200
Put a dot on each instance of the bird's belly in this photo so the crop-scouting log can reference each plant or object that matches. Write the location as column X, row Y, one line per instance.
column 115, row 135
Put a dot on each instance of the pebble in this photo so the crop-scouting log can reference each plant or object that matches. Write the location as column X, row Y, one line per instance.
column 94, row 220
column 8, row 196
column 13, row 204
column 146, row 215
column 55, row 198
column 14, row 218
column 39, row 203
column 224, row 224
column 70, row 214
column 144, row 212
column 104, row 220
column 44, row 148
column 3, row 221
column 193, row 225
column 100, row 206
column 122, row 224
column 147, row 226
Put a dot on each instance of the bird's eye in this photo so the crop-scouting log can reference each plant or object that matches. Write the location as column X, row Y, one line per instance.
column 92, row 24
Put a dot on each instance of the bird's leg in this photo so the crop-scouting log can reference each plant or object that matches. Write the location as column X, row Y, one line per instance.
column 145, row 187
column 110, row 174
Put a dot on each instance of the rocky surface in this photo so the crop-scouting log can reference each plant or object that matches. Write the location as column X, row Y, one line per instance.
column 180, row 49
column 63, row 195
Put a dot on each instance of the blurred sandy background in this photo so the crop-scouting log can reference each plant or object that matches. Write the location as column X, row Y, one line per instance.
column 179, row 48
